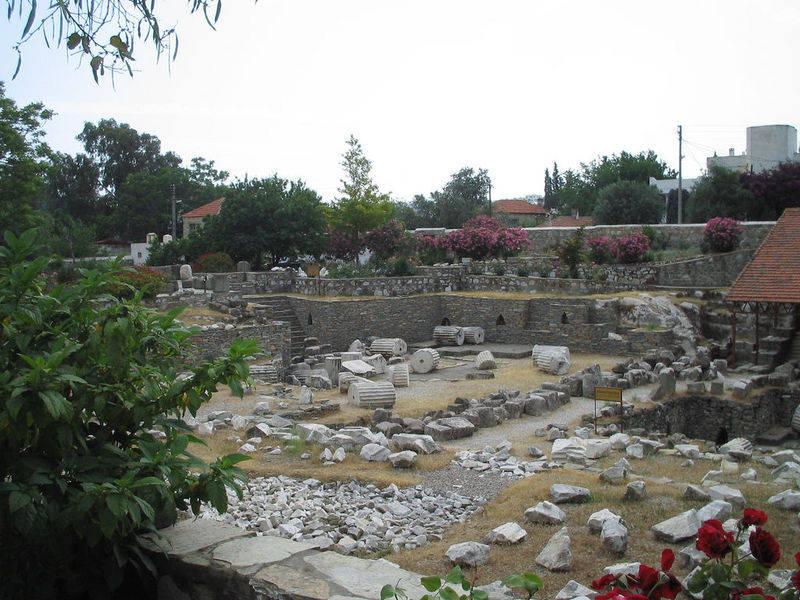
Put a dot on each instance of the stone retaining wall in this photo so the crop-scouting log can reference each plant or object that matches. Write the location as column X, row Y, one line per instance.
column 583, row 324
column 712, row 418
column 274, row 339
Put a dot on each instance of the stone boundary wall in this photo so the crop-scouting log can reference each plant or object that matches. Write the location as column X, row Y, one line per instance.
column 579, row 323
column 677, row 236
column 274, row 339
column 707, row 417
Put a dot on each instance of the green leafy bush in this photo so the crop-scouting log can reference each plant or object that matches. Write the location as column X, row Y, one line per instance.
column 85, row 380
column 499, row 268
column 214, row 262
column 571, row 251
column 399, row 267
column 523, row 271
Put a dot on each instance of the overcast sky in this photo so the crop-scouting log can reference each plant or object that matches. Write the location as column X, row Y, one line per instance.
column 429, row 87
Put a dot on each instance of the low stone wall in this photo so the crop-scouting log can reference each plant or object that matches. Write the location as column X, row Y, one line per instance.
column 683, row 236
column 274, row 339
column 714, row 419
column 713, row 270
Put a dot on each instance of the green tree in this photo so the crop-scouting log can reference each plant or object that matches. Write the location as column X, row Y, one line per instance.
column 629, row 202
column 424, row 211
column 465, row 196
column 119, row 150
column 85, row 379
column 269, row 216
column 552, row 187
column 362, row 206
column 774, row 191
column 24, row 161
column 580, row 191
column 719, row 193
column 103, row 31
column 73, row 188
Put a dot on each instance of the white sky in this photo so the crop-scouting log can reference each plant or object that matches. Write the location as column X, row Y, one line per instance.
column 429, row 87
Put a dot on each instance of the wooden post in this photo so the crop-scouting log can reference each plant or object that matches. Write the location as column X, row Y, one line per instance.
column 756, row 344
column 733, row 338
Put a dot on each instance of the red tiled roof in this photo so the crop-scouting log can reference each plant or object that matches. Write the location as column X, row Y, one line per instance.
column 212, row 208
column 519, row 207
column 773, row 274
column 567, row 221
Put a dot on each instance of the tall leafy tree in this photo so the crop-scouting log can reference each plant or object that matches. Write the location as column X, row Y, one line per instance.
column 465, row 196
column 73, row 187
column 628, row 202
column 24, row 161
column 424, row 211
column 774, row 190
column 268, row 216
column 119, row 150
column 579, row 190
column 552, row 187
column 362, row 207
column 719, row 193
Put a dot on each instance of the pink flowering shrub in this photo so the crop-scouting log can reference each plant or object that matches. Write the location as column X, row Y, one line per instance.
column 722, row 234
column 388, row 240
column 484, row 237
column 601, row 249
column 430, row 249
column 345, row 246
column 631, row 249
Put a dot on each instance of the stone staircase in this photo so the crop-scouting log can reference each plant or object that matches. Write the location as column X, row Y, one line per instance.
column 277, row 308
column 777, row 338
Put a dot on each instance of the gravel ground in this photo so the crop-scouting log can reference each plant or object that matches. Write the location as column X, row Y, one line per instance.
column 519, row 432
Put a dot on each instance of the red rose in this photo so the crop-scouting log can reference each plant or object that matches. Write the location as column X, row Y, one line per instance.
column 753, row 591
column 713, row 539
column 753, row 517
column 764, row 547
column 667, row 559
column 605, row 580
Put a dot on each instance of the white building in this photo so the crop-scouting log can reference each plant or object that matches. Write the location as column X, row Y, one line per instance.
column 767, row 147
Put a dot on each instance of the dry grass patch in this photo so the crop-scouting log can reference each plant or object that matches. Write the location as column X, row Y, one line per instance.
column 664, row 500
column 191, row 314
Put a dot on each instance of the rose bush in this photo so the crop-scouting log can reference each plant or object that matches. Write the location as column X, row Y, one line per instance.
column 722, row 234
column 726, row 573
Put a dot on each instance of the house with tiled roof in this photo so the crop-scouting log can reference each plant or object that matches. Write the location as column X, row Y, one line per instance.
column 519, row 212
column 193, row 219
column 769, row 285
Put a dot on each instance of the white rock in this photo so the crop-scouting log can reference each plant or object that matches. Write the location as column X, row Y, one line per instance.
column 678, row 528
column 786, row 500
column 716, row 509
column 563, row 493
column 596, row 520
column 729, row 494
column 375, row 453
column 556, row 555
column 508, row 533
column 468, row 554
column 545, row 512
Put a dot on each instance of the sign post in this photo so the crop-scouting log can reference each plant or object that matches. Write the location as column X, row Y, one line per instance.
column 608, row 394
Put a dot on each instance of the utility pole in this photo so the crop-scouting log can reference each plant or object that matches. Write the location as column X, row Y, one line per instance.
column 680, row 174
column 490, row 198
column 173, row 212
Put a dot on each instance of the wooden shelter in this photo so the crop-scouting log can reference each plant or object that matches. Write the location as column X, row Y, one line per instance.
column 769, row 284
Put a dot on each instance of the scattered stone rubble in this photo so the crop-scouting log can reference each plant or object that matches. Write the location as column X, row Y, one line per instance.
column 346, row 517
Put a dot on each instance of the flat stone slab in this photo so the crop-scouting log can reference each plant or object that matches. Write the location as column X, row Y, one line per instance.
column 678, row 528
column 246, row 552
column 362, row 578
column 274, row 579
column 192, row 535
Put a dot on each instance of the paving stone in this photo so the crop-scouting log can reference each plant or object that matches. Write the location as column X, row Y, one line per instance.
column 189, row 536
column 249, row 551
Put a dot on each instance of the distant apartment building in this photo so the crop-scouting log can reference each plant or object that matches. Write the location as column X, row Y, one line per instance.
column 767, row 147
